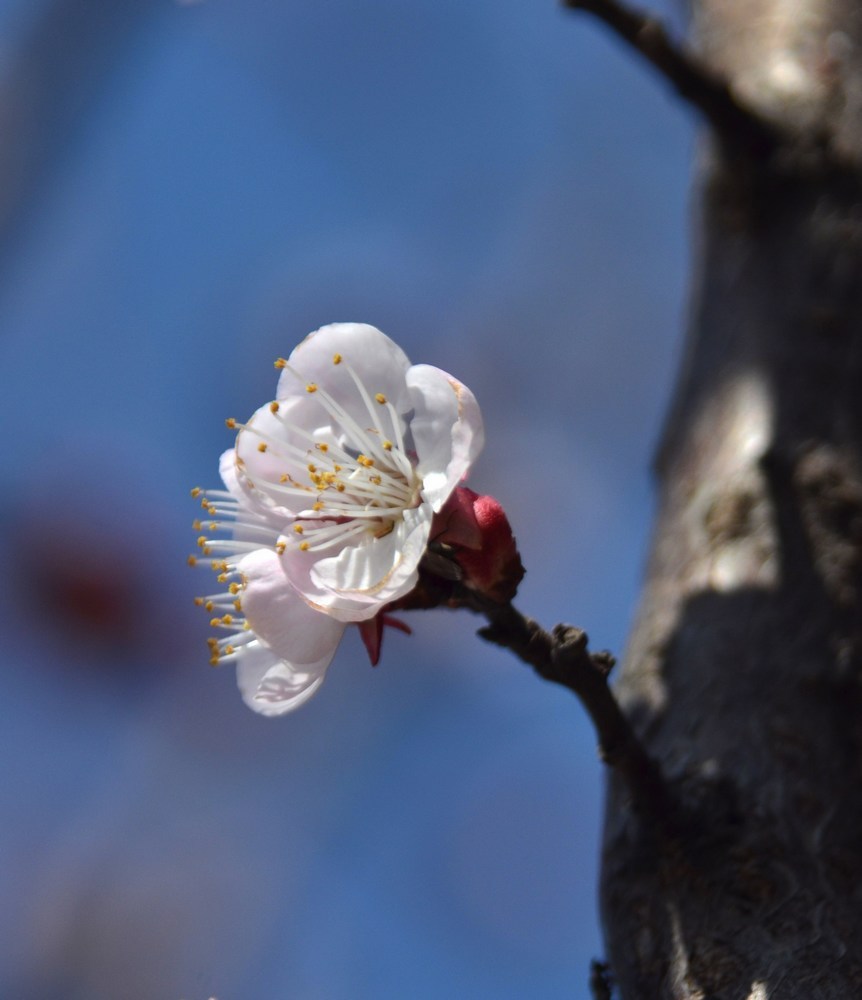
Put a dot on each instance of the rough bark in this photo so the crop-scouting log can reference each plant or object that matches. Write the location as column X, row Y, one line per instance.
column 744, row 671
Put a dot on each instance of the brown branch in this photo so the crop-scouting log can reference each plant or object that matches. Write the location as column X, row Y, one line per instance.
column 707, row 91
column 563, row 657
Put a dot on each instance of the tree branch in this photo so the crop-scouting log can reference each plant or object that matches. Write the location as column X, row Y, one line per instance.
column 563, row 657
column 699, row 85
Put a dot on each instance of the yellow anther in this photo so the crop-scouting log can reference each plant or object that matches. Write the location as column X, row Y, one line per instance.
column 311, row 387
column 196, row 492
column 376, row 480
column 298, row 528
column 237, row 604
column 340, row 487
column 311, row 467
column 192, row 560
column 222, row 578
column 230, row 423
column 280, row 548
column 215, row 622
column 380, row 398
column 387, row 446
column 317, row 505
column 273, row 407
column 213, row 526
column 214, row 661
column 304, row 546
column 227, row 619
column 202, row 541
column 207, row 551
column 228, row 650
column 199, row 601
column 209, row 606
column 213, row 644
column 262, row 446
column 365, row 461
column 336, row 359
column 197, row 526
column 285, row 478
column 322, row 446
column 280, row 363
column 234, row 588
column 337, row 467
column 211, row 511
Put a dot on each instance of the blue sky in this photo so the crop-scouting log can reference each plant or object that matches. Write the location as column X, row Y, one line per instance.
column 190, row 189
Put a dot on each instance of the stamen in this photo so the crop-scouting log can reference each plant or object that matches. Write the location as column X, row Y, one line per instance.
column 358, row 436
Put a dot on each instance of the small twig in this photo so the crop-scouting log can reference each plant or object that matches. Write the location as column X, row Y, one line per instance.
column 703, row 88
column 600, row 980
column 563, row 657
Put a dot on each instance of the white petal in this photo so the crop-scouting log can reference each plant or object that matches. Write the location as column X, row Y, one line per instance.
column 280, row 618
column 300, row 567
column 352, row 582
column 446, row 428
column 266, row 452
column 379, row 363
column 227, row 471
column 271, row 686
column 250, row 501
column 379, row 568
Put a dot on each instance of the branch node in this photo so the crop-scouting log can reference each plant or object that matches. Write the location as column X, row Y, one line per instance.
column 570, row 643
column 605, row 661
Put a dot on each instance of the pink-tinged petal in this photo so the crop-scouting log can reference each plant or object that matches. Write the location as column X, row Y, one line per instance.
column 446, row 428
column 279, row 617
column 273, row 687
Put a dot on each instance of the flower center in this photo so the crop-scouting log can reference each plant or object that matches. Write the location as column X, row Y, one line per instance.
column 356, row 474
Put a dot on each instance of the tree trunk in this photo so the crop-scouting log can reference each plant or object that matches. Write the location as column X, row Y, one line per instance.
column 744, row 672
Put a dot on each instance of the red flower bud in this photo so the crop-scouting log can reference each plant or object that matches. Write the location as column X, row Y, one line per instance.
column 479, row 533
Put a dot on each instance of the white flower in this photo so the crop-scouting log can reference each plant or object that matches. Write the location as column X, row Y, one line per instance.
column 331, row 490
